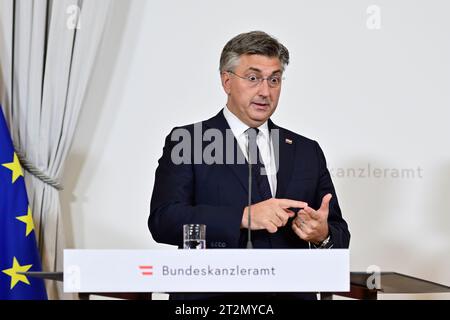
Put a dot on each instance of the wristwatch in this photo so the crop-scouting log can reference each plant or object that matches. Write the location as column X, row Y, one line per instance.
column 325, row 244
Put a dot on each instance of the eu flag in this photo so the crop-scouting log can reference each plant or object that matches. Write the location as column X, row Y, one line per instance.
column 18, row 249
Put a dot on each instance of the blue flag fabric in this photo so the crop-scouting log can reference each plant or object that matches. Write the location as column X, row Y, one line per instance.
column 18, row 249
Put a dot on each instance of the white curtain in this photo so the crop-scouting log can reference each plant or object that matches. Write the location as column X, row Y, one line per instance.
column 5, row 54
column 51, row 46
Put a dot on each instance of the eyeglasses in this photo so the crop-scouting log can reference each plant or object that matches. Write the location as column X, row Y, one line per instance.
column 254, row 80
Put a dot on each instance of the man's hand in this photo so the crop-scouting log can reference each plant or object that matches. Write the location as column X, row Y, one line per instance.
column 271, row 214
column 311, row 225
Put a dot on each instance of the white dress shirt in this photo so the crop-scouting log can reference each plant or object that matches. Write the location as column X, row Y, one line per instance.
column 263, row 141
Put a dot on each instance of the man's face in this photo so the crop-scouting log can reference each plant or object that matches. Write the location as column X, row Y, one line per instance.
column 253, row 104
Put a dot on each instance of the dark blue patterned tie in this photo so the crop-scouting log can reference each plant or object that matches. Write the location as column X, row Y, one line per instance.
column 258, row 169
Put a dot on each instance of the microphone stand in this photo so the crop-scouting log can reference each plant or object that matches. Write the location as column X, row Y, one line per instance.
column 249, row 241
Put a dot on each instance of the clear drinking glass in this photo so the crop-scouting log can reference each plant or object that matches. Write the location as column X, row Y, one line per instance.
column 194, row 236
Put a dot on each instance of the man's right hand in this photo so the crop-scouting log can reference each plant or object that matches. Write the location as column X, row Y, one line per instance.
column 271, row 214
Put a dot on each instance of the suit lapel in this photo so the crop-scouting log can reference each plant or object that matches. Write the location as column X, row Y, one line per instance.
column 241, row 171
column 284, row 158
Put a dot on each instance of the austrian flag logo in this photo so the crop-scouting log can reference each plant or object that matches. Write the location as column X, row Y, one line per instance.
column 146, row 270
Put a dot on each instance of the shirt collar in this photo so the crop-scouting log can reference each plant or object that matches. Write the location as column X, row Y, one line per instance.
column 238, row 127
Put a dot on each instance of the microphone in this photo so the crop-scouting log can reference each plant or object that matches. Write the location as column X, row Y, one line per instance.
column 249, row 237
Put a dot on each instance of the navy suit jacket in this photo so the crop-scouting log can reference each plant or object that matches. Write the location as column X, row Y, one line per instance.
column 216, row 194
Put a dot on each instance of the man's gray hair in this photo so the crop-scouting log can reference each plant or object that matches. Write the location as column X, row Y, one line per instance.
column 254, row 42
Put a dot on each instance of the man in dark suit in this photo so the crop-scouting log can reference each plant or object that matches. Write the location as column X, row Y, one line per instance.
column 202, row 176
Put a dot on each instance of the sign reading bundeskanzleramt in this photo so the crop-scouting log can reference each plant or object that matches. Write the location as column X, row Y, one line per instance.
column 210, row 270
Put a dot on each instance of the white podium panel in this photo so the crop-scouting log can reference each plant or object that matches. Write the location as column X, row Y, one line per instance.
column 210, row 270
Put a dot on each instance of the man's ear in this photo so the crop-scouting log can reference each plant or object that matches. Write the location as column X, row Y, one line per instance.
column 226, row 82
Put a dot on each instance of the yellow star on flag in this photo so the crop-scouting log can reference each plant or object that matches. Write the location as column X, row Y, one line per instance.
column 15, row 168
column 13, row 273
column 28, row 220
